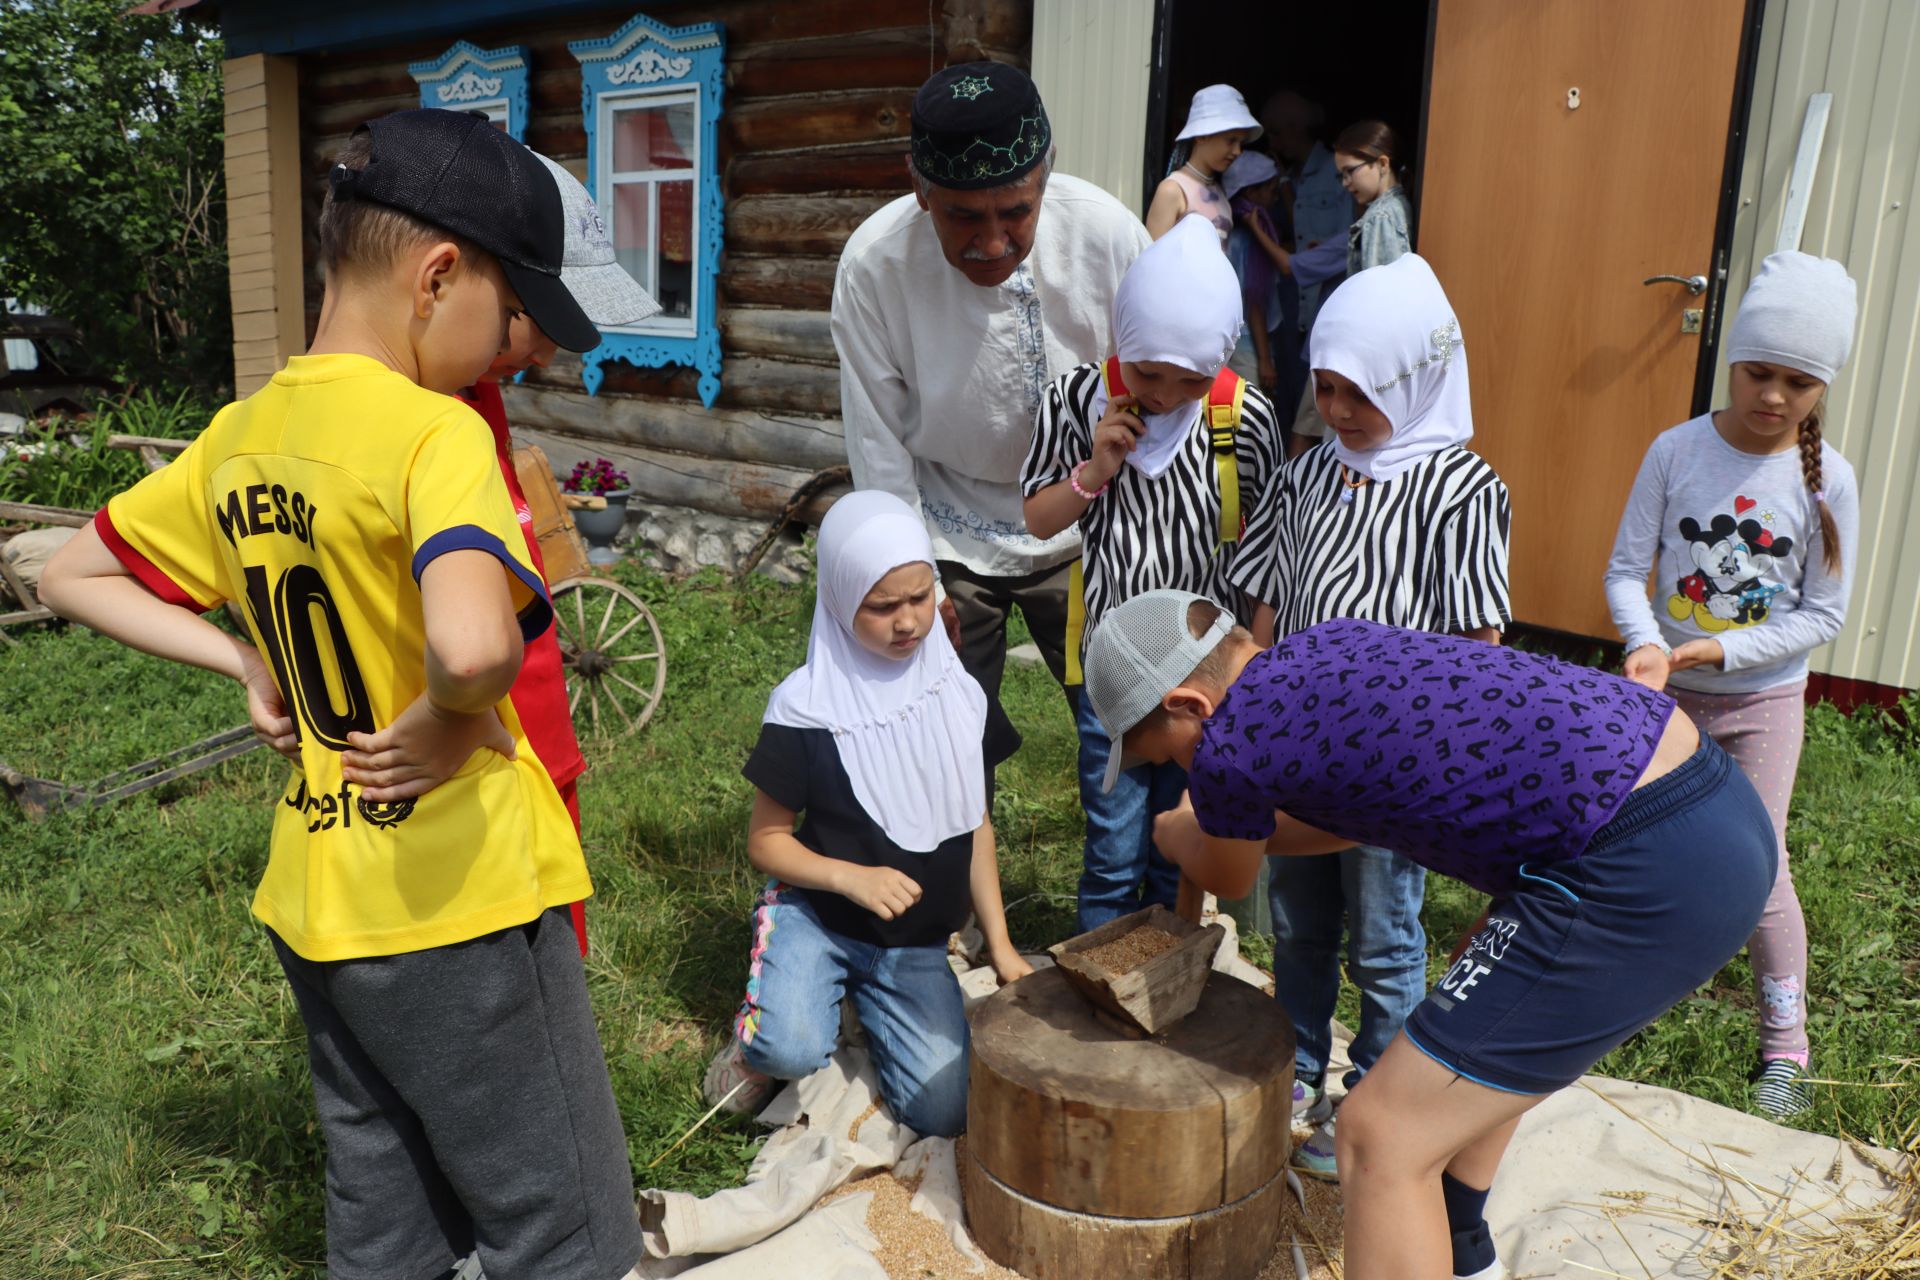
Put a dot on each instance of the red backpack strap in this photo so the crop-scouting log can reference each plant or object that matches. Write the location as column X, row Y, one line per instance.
column 1111, row 372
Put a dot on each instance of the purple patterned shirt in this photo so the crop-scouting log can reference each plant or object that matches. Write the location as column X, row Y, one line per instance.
column 1468, row 758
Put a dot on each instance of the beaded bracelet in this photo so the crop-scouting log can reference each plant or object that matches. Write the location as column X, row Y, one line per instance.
column 1073, row 478
column 1661, row 645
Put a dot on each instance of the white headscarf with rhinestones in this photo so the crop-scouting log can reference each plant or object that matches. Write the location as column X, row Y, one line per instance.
column 1391, row 331
column 908, row 730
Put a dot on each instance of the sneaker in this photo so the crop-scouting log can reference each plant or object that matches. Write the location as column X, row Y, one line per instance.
column 1315, row 1156
column 1311, row 1105
column 732, row 1085
column 1493, row 1271
column 1780, row 1090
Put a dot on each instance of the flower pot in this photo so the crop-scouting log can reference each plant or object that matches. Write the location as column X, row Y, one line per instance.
column 600, row 528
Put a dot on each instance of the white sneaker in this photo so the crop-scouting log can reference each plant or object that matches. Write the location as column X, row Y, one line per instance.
column 1311, row 1105
column 1494, row 1272
column 1315, row 1157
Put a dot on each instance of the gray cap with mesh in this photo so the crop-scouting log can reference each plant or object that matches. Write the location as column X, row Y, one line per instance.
column 1139, row 652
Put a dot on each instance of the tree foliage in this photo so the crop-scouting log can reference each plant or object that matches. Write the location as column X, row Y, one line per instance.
column 114, row 211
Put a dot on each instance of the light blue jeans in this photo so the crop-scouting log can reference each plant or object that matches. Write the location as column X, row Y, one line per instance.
column 1378, row 894
column 907, row 999
column 1122, row 871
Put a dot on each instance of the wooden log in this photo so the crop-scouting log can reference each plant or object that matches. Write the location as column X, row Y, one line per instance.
column 35, row 513
column 818, row 120
column 827, row 170
column 796, row 224
column 1041, row 1241
column 737, row 435
column 805, row 283
column 1075, row 1114
column 896, row 58
column 746, row 382
column 774, row 331
column 743, row 490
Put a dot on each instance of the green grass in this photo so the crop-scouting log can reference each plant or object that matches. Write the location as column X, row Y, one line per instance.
column 154, row 1113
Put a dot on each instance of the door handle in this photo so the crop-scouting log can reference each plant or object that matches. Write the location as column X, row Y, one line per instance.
column 1696, row 285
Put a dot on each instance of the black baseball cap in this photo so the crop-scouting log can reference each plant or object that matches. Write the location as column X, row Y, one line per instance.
column 456, row 171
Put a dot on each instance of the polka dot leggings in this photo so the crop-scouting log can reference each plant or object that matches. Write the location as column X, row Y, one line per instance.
column 1762, row 731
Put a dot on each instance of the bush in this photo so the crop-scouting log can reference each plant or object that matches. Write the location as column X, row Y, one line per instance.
column 67, row 463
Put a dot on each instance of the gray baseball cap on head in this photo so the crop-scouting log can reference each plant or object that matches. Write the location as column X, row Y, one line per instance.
column 588, row 268
column 1139, row 652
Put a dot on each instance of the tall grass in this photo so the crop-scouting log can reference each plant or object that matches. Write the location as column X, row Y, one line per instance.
column 66, row 463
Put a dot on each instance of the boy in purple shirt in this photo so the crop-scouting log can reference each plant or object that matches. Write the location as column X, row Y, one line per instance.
column 1627, row 857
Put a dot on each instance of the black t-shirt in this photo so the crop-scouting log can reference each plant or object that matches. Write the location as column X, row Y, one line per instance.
column 801, row 769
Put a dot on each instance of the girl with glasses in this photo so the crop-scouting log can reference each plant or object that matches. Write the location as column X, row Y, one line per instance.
column 1369, row 159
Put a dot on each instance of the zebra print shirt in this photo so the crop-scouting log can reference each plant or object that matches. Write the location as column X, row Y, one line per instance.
column 1144, row 534
column 1426, row 550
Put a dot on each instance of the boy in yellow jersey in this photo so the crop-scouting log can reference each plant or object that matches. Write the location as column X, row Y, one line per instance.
column 356, row 513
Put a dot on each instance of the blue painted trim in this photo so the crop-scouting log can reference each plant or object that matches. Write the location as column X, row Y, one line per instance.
column 1525, row 874
column 273, row 26
column 1524, row 1093
column 469, row 78
column 642, row 58
column 536, row 616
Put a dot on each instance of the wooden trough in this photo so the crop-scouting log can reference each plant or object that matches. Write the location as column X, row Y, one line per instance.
column 1094, row 1150
column 1152, row 985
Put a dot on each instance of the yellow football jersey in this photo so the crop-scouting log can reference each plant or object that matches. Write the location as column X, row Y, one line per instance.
column 315, row 504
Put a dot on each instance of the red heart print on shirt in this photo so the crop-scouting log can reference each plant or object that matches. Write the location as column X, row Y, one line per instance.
column 1742, row 505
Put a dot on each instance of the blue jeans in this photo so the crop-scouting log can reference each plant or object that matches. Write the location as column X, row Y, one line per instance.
column 906, row 997
column 1123, row 872
column 1378, row 893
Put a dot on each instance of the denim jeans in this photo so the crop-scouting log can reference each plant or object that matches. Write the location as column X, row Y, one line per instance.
column 906, row 997
column 1378, row 894
column 1122, row 872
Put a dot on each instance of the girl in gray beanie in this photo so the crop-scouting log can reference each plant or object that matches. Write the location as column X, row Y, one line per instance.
column 1754, row 520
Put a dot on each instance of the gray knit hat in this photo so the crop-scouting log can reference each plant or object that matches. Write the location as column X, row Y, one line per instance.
column 1800, row 312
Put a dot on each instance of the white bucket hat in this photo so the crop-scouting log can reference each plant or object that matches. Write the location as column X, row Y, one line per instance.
column 588, row 266
column 1216, row 109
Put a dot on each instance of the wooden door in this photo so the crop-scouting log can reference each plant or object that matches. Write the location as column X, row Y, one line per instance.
column 1542, row 218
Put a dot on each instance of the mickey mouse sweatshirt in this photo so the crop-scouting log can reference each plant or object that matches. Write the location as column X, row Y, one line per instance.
column 1737, row 537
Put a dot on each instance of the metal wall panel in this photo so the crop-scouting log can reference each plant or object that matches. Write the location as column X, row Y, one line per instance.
column 1863, row 213
column 1092, row 60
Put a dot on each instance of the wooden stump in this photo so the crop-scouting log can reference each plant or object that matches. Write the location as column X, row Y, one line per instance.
column 1095, row 1154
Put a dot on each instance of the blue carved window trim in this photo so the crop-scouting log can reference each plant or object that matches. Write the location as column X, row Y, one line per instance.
column 648, row 64
column 468, row 78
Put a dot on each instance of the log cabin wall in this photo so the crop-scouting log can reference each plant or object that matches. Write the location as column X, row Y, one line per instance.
column 813, row 138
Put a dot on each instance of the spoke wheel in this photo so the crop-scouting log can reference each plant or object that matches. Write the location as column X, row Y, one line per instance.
column 614, row 657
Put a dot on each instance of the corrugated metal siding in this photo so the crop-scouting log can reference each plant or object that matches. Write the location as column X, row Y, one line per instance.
column 1092, row 60
column 1863, row 213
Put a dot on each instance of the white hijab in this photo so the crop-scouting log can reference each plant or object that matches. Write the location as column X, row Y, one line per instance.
column 1179, row 303
column 908, row 730
column 1391, row 331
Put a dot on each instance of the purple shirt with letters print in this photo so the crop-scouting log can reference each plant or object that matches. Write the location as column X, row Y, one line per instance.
column 1470, row 759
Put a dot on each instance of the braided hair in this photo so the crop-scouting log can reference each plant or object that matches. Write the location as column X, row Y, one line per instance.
column 1817, row 485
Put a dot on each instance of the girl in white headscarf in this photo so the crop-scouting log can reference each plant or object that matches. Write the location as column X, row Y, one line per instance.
column 1394, row 520
column 875, row 746
column 1169, row 467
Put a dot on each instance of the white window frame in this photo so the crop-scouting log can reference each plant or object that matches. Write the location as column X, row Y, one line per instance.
column 607, row 107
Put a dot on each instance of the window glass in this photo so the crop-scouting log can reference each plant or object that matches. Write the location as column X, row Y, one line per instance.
column 652, row 138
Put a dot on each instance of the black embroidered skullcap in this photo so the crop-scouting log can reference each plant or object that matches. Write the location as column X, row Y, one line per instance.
column 978, row 124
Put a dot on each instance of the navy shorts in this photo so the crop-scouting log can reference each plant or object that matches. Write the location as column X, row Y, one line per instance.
column 1587, row 952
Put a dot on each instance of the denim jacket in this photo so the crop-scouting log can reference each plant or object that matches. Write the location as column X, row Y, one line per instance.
column 1383, row 234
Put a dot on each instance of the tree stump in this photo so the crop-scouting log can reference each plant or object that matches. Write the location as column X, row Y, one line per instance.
column 1092, row 1153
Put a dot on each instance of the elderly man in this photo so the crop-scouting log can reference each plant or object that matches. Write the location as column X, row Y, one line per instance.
column 952, row 310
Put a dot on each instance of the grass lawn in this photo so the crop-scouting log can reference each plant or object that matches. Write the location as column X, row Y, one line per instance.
column 154, row 1111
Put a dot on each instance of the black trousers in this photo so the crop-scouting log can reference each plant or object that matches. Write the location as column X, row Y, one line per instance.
column 984, row 602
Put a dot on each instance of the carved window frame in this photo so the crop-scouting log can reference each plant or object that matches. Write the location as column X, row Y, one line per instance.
column 646, row 63
column 469, row 78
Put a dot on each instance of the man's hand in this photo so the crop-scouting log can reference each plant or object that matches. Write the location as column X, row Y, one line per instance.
column 1648, row 665
column 1699, row 653
column 886, row 892
column 421, row 749
column 1269, row 374
column 950, row 617
column 265, row 707
column 1114, row 437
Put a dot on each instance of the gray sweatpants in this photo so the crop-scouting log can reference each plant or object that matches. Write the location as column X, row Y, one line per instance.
column 466, row 1107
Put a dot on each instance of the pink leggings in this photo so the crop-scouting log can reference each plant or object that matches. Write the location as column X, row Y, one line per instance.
column 1762, row 731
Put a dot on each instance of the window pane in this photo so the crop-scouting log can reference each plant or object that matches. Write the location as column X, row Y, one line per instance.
column 633, row 231
column 677, row 230
column 649, row 138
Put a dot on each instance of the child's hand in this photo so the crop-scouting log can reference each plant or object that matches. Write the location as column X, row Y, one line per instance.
column 1699, row 653
column 265, row 707
column 1176, row 833
column 1009, row 965
column 882, row 890
column 1648, row 665
column 420, row 750
column 1114, row 437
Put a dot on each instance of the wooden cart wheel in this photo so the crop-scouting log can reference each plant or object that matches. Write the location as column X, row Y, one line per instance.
column 614, row 656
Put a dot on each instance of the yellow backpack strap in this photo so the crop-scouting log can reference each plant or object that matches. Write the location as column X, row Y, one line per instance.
column 1076, row 621
column 1223, row 419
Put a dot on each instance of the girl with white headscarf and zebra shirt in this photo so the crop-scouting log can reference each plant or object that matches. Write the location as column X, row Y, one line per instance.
column 875, row 746
column 1168, row 464
column 1393, row 520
